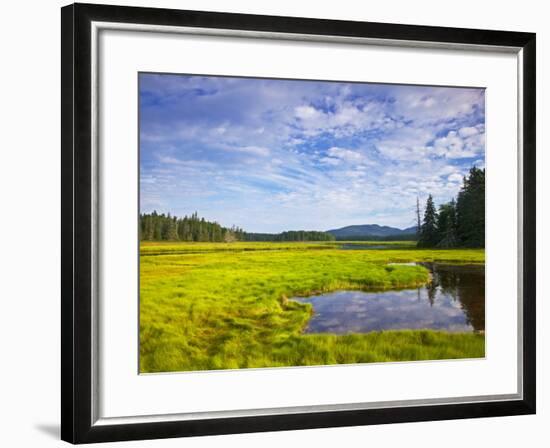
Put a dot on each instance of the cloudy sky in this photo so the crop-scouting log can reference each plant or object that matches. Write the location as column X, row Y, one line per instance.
column 273, row 155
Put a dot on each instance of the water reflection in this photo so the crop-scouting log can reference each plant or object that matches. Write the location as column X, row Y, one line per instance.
column 453, row 301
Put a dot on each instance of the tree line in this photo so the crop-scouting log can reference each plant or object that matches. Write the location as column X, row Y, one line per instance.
column 291, row 235
column 161, row 227
column 460, row 222
column 399, row 237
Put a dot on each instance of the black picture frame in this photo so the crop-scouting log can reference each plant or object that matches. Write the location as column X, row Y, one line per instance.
column 76, row 218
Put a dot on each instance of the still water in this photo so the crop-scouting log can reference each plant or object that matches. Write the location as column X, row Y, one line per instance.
column 453, row 301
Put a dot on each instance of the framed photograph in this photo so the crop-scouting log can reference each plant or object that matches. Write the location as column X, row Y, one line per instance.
column 275, row 223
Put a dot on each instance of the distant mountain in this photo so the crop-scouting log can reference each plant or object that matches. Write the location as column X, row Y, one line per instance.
column 370, row 230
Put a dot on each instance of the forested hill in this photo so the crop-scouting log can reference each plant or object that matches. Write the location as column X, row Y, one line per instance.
column 291, row 235
column 372, row 231
column 161, row 227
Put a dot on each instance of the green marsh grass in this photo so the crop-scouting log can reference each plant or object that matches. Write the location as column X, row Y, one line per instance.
column 206, row 306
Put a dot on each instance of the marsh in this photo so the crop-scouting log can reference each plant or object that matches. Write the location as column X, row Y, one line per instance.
column 454, row 301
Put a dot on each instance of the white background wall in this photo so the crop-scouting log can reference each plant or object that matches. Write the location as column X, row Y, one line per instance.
column 30, row 209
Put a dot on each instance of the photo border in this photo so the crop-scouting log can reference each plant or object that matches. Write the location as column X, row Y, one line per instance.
column 79, row 424
column 146, row 72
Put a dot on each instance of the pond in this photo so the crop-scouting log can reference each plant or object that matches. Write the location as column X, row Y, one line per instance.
column 454, row 301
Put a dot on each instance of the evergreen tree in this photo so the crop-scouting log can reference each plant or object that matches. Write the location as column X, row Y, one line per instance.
column 446, row 225
column 459, row 223
column 158, row 230
column 428, row 232
column 470, row 210
column 172, row 233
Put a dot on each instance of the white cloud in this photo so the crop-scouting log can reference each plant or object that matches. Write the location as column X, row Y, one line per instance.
column 330, row 161
column 439, row 104
column 407, row 143
column 307, row 113
column 468, row 131
column 344, row 118
column 256, row 150
column 455, row 177
column 468, row 142
column 346, row 155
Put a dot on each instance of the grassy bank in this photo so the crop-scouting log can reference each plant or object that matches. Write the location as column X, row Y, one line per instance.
column 220, row 306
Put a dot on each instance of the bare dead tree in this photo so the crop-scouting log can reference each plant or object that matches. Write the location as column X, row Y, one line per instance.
column 418, row 222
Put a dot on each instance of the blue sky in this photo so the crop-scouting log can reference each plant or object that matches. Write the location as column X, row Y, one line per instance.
column 271, row 155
